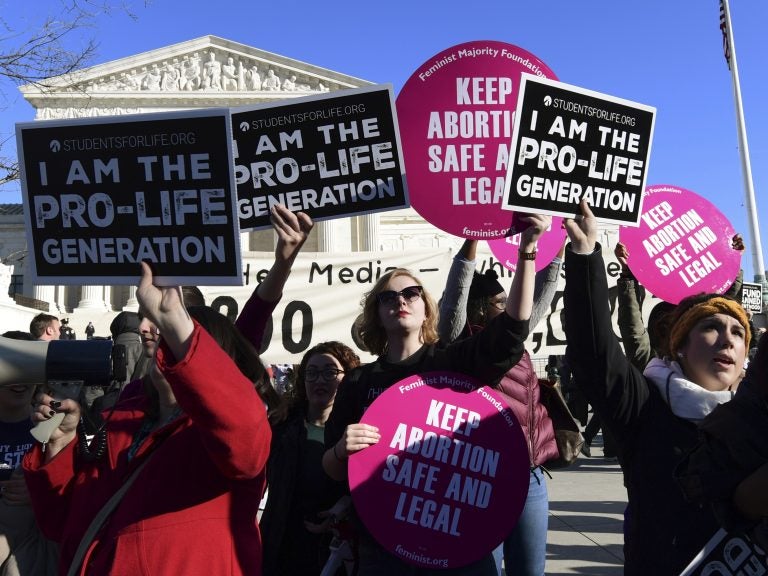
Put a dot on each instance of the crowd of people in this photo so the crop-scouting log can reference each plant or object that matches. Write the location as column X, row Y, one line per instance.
column 179, row 455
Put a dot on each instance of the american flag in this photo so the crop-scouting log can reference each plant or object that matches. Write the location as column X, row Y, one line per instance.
column 724, row 30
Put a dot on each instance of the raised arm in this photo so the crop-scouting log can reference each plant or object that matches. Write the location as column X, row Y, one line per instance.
column 735, row 290
column 230, row 417
column 520, row 300
column 637, row 344
column 164, row 307
column 292, row 232
column 453, row 304
column 616, row 389
column 545, row 287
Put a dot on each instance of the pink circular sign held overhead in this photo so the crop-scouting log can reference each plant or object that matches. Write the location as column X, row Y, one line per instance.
column 682, row 246
column 448, row 479
column 456, row 115
column 505, row 249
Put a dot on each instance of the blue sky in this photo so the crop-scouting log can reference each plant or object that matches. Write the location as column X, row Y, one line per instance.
column 666, row 54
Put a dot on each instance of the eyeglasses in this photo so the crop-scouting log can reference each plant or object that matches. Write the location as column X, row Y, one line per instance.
column 409, row 294
column 327, row 374
column 499, row 304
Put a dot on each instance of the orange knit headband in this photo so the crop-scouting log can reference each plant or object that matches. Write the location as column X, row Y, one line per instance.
column 717, row 305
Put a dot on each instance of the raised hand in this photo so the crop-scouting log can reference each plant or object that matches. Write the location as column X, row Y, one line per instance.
column 164, row 307
column 292, row 231
column 582, row 230
column 357, row 437
column 622, row 255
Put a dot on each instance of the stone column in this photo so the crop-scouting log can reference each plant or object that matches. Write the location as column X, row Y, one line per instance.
column 369, row 233
column 91, row 298
column 108, row 297
column 46, row 294
column 326, row 236
column 132, row 305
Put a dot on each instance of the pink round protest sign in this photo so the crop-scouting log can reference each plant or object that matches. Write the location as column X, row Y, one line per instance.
column 682, row 246
column 505, row 249
column 448, row 479
column 456, row 116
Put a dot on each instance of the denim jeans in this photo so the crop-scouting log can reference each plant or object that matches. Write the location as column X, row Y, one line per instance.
column 525, row 549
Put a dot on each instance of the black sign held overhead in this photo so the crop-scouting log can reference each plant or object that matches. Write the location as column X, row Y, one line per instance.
column 570, row 144
column 331, row 156
column 102, row 194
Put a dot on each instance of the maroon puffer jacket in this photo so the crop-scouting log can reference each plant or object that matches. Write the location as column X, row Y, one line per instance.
column 520, row 389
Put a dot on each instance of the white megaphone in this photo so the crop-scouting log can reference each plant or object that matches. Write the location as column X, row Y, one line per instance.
column 63, row 365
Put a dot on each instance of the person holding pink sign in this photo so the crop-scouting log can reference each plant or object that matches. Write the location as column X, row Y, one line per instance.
column 400, row 326
column 653, row 415
column 470, row 301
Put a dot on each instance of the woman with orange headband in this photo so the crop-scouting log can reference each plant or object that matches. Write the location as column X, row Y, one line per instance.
column 653, row 415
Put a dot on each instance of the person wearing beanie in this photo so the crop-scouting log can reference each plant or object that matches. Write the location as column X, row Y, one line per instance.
column 486, row 297
column 470, row 301
column 653, row 415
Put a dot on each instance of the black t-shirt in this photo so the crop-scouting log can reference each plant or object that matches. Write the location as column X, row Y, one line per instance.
column 486, row 355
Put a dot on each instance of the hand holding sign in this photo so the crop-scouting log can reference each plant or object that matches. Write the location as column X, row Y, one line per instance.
column 549, row 244
column 292, row 231
column 164, row 307
column 622, row 255
column 737, row 243
column 356, row 437
column 582, row 230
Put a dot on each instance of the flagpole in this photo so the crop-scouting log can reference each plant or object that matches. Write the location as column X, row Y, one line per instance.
column 758, row 264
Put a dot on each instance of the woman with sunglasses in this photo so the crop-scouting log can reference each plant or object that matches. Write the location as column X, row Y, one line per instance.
column 399, row 325
column 302, row 501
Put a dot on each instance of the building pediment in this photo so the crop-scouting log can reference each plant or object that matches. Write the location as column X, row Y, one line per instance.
column 206, row 71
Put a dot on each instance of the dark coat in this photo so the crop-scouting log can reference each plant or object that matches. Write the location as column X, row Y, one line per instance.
column 663, row 532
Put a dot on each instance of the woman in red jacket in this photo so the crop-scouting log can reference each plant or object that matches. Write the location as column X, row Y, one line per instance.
column 202, row 445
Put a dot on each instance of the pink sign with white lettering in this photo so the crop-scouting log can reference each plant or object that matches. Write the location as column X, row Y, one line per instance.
column 448, row 479
column 456, row 116
column 682, row 246
column 505, row 249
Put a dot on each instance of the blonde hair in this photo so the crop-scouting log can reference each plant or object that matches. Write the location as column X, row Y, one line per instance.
column 370, row 329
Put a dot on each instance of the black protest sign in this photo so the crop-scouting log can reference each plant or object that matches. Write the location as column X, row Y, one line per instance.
column 103, row 194
column 728, row 553
column 752, row 297
column 331, row 156
column 571, row 144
